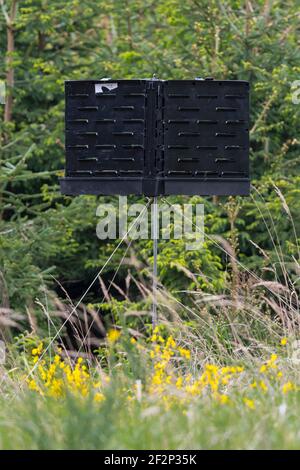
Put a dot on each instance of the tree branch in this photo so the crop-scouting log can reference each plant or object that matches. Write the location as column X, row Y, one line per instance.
column 10, row 49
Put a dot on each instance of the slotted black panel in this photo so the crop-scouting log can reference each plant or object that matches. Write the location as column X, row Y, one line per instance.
column 156, row 137
column 206, row 136
column 105, row 134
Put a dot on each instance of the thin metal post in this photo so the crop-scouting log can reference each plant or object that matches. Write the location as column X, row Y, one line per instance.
column 155, row 235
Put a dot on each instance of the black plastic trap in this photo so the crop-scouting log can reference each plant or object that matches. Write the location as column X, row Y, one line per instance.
column 157, row 137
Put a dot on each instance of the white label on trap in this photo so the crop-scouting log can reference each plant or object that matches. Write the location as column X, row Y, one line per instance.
column 107, row 86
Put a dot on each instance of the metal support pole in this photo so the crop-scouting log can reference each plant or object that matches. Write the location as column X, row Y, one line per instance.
column 155, row 235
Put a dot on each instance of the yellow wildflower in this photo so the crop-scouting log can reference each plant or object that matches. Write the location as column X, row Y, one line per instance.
column 223, row 399
column 288, row 387
column 283, row 341
column 33, row 385
column 263, row 369
column 156, row 330
column 263, row 386
column 156, row 379
column 56, row 389
column 212, row 368
column 38, row 350
column 193, row 389
column 271, row 362
column 56, row 359
column 249, row 403
column 113, row 335
column 179, row 382
column 226, row 379
column 188, row 378
column 170, row 342
column 98, row 397
column 185, row 353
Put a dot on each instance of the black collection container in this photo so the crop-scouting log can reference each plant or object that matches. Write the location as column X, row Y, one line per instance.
column 157, row 137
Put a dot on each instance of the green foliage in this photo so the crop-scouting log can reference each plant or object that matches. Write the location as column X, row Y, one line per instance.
column 43, row 234
column 35, row 423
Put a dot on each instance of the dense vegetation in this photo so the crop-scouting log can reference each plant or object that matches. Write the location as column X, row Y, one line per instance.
column 234, row 299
